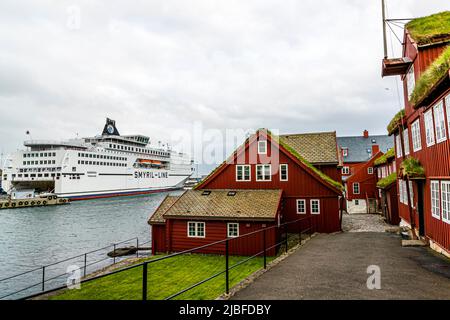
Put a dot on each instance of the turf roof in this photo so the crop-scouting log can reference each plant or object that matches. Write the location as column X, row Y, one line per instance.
column 387, row 181
column 393, row 125
column 430, row 29
column 385, row 157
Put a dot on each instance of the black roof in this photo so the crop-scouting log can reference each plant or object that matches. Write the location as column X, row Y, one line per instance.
column 359, row 146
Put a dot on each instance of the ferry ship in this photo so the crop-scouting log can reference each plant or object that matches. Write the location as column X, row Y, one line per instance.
column 103, row 166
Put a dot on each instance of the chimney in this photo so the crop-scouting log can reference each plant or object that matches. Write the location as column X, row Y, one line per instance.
column 375, row 149
column 366, row 134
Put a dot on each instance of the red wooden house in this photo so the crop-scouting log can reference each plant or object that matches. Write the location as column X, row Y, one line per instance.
column 289, row 164
column 361, row 187
column 422, row 129
column 386, row 173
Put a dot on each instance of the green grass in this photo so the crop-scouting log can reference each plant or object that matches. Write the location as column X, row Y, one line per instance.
column 412, row 168
column 435, row 72
column 429, row 29
column 393, row 125
column 385, row 157
column 386, row 182
column 165, row 278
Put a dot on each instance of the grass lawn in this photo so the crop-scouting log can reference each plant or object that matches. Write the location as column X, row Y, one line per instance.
column 165, row 278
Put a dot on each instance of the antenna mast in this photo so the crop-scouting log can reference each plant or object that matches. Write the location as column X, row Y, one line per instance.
column 383, row 10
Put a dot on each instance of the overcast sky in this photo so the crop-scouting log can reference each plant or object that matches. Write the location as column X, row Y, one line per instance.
column 158, row 66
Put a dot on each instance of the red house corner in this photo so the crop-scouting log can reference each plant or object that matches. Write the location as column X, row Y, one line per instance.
column 287, row 165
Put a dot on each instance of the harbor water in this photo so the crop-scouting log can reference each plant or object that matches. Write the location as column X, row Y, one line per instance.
column 34, row 237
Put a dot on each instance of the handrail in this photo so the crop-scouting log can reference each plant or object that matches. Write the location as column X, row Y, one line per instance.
column 227, row 240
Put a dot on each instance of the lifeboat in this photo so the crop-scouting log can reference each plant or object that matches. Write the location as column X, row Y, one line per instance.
column 152, row 162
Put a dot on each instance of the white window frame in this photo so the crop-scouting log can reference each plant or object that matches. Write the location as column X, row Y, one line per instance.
column 411, row 194
column 435, row 202
column 445, row 201
column 416, row 137
column 447, row 109
column 263, row 166
column 345, row 170
column 410, row 81
column 196, row 224
column 429, row 128
column 398, row 146
column 243, row 167
column 370, row 170
column 318, row 206
column 304, row 206
column 345, row 152
column 287, row 172
column 406, row 141
column 439, row 122
column 353, row 187
column 228, row 229
column 262, row 143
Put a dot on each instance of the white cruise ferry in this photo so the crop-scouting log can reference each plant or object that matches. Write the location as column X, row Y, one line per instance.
column 103, row 166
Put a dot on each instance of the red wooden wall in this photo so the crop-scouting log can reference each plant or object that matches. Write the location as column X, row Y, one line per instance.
column 367, row 182
column 158, row 238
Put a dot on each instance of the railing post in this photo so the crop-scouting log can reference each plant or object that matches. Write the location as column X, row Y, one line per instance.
column 227, row 276
column 85, row 263
column 265, row 248
column 43, row 278
column 144, row 281
column 114, row 254
column 286, row 237
column 137, row 247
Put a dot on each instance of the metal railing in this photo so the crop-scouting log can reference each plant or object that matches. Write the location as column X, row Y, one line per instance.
column 49, row 278
column 282, row 231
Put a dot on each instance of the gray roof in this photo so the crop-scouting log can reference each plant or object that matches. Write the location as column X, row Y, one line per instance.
column 357, row 146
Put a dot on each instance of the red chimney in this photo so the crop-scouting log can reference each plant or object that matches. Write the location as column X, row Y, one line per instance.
column 375, row 149
column 366, row 134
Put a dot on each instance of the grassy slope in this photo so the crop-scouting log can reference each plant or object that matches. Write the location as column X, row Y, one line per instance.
column 166, row 277
column 425, row 29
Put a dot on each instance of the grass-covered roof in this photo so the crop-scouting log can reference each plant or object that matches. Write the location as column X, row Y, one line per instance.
column 386, row 182
column 411, row 168
column 393, row 125
column 385, row 157
column 430, row 29
column 428, row 80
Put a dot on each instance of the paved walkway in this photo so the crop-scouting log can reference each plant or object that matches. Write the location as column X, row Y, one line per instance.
column 335, row 267
column 363, row 223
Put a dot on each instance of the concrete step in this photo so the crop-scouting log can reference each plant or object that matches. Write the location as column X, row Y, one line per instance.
column 414, row 243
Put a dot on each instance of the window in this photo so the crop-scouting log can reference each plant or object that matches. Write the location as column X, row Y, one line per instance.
column 447, row 107
column 345, row 152
column 262, row 147
column 415, row 135
column 435, row 205
column 356, row 187
column 283, row 172
column 406, row 141
column 370, row 170
column 233, row 230
column 356, row 202
column 411, row 193
column 445, row 198
column 345, row 170
column 429, row 127
column 315, row 206
column 439, row 122
column 263, row 172
column 301, row 206
column 398, row 146
column 196, row 229
column 410, row 81
column 243, row 173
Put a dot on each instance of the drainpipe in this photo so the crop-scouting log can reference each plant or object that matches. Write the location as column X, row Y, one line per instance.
column 408, row 198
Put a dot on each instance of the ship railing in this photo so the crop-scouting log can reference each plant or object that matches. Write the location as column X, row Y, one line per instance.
column 254, row 250
column 53, row 275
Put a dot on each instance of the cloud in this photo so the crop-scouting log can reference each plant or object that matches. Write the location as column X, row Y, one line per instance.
column 159, row 66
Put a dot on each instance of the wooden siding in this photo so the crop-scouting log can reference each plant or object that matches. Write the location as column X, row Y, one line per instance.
column 158, row 238
column 217, row 230
column 367, row 182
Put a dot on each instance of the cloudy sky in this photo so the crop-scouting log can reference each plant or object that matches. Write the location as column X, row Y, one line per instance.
column 160, row 66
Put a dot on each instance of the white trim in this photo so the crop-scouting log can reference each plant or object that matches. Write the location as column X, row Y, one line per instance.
column 370, row 170
column 433, row 206
column 353, row 188
column 415, row 135
column 346, row 170
column 398, row 146
column 410, row 81
column 318, row 206
column 304, row 206
column 263, row 175
column 196, row 223
column 243, row 166
column 429, row 127
column 447, row 109
column 228, row 229
column 287, row 172
column 439, row 122
column 445, row 203
column 260, row 143
column 406, row 141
